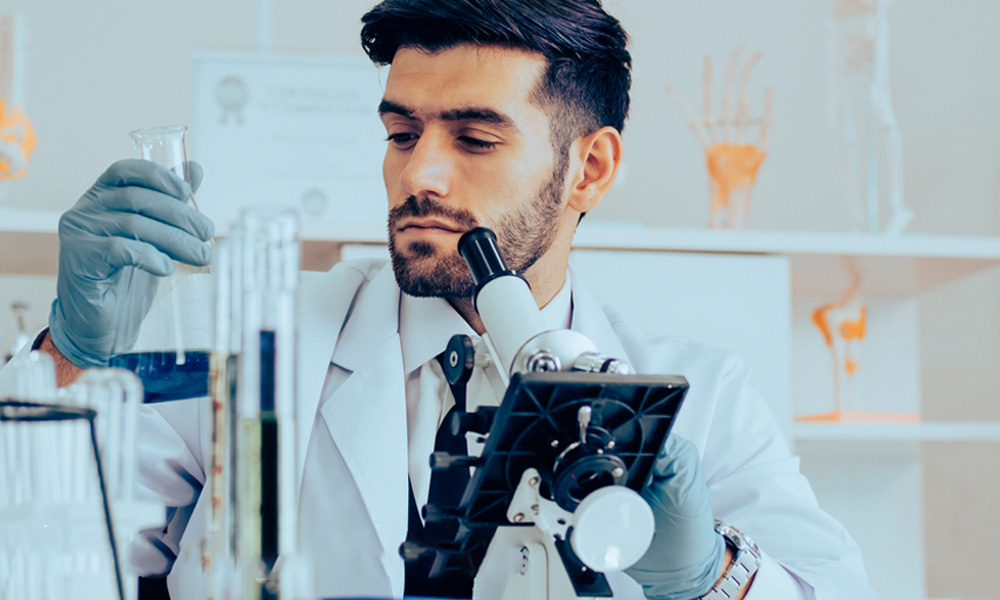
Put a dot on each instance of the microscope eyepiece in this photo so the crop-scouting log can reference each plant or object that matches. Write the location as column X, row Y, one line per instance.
column 478, row 246
column 503, row 297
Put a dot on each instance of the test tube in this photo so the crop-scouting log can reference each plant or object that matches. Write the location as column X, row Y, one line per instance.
column 218, row 546
column 115, row 395
column 295, row 578
column 267, row 464
column 282, row 280
column 248, row 245
column 24, row 448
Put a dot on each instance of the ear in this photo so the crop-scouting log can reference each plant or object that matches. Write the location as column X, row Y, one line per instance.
column 598, row 156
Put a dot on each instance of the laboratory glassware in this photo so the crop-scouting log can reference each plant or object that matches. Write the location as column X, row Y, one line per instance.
column 46, row 549
column 23, row 338
column 218, row 546
column 57, row 534
column 253, row 510
column 170, row 352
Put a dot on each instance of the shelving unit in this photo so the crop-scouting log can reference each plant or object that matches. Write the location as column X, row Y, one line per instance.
column 880, row 463
column 941, row 431
column 29, row 244
column 891, row 266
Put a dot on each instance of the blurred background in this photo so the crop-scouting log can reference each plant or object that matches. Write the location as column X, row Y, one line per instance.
column 90, row 72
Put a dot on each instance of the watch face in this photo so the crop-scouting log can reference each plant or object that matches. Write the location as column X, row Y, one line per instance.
column 745, row 563
column 735, row 536
column 739, row 540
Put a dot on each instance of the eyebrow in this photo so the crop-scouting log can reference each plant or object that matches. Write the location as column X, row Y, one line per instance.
column 470, row 113
column 386, row 106
column 480, row 115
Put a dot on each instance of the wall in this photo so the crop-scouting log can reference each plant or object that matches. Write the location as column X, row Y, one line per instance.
column 95, row 70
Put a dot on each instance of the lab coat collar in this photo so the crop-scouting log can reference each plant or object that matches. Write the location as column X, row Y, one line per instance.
column 374, row 320
column 591, row 320
column 427, row 324
column 378, row 317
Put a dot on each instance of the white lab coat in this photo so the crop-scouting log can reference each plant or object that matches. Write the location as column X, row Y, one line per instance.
column 353, row 451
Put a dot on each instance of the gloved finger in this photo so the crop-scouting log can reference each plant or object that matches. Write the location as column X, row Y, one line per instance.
column 121, row 252
column 686, row 554
column 677, row 480
column 172, row 241
column 195, row 175
column 147, row 174
column 156, row 205
column 675, row 453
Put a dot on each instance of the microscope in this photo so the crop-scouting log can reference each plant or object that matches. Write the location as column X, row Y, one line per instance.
column 552, row 502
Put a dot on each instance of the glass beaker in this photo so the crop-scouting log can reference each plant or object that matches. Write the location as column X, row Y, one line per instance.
column 170, row 353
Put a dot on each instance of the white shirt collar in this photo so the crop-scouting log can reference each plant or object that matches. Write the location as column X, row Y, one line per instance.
column 426, row 324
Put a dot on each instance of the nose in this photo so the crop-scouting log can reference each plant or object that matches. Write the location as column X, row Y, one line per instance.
column 428, row 169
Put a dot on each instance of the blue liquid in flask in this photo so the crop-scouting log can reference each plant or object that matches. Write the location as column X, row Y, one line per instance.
column 162, row 378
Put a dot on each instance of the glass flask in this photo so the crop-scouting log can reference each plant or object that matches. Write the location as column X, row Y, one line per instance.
column 170, row 353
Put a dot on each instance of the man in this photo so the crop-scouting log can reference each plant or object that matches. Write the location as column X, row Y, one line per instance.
column 501, row 114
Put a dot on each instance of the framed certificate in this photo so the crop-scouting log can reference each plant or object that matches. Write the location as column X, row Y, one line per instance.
column 287, row 130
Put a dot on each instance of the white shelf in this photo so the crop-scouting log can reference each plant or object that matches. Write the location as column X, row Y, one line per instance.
column 613, row 235
column 821, row 263
column 951, row 431
column 29, row 244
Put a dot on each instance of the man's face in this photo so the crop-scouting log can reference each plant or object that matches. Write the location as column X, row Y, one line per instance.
column 466, row 147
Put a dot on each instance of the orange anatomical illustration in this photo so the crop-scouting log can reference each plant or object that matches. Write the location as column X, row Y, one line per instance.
column 17, row 137
column 843, row 324
column 732, row 160
column 17, row 141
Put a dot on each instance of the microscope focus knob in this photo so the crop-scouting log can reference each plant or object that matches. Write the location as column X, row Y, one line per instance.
column 459, row 359
column 413, row 550
column 447, row 460
column 432, row 513
column 462, row 422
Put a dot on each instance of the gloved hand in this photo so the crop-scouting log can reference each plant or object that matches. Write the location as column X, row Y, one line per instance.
column 114, row 244
column 686, row 555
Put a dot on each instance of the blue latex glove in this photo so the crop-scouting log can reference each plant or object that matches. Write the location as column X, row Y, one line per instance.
column 686, row 555
column 113, row 245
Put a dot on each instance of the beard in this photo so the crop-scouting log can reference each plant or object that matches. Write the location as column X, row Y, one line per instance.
column 524, row 235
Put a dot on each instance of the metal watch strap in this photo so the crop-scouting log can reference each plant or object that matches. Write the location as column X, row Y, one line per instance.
column 746, row 560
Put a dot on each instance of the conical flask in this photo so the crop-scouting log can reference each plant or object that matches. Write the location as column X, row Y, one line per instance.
column 170, row 351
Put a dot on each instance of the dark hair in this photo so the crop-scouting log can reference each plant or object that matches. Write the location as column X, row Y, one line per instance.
column 586, row 84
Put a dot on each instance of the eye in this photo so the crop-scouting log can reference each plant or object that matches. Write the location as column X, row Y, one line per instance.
column 476, row 144
column 403, row 141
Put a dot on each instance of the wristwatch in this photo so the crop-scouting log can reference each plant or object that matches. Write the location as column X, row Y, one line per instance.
column 746, row 560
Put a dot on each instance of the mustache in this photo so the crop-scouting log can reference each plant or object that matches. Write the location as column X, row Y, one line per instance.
column 429, row 207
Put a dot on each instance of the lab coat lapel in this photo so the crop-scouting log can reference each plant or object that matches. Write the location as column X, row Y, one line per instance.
column 323, row 307
column 591, row 320
column 366, row 415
